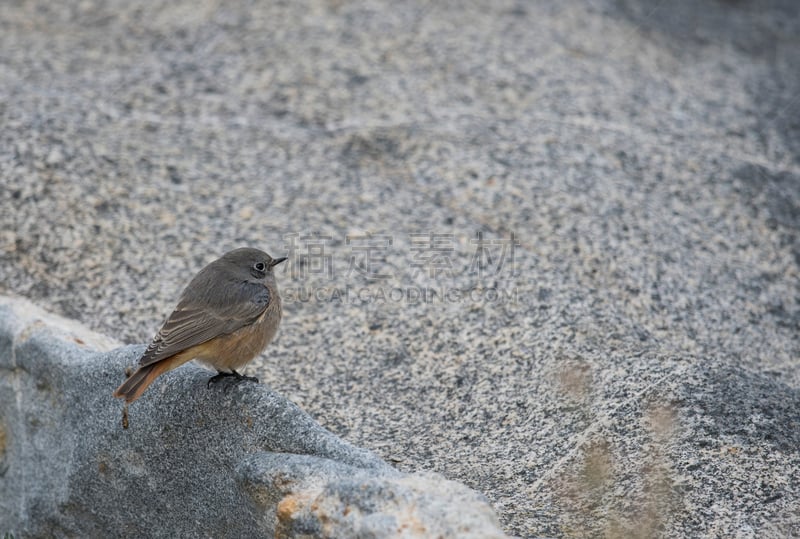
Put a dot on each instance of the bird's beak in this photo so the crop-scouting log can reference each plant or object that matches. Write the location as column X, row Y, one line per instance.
column 277, row 261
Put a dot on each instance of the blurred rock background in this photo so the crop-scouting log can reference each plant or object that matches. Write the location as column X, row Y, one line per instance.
column 604, row 195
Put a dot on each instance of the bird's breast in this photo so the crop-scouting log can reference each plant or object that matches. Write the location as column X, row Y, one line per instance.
column 236, row 349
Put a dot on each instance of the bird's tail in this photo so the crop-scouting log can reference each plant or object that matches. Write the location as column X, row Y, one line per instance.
column 132, row 388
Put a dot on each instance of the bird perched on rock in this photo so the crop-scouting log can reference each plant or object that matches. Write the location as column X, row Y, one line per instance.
column 225, row 317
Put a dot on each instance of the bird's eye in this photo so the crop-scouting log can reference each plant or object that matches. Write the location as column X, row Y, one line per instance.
column 260, row 266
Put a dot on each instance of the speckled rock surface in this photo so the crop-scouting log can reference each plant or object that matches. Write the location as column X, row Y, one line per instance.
column 645, row 155
column 188, row 460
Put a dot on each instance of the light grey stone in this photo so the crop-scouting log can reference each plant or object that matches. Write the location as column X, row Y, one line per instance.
column 187, row 460
column 646, row 155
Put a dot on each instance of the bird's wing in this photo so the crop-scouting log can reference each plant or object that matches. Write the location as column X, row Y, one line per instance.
column 197, row 320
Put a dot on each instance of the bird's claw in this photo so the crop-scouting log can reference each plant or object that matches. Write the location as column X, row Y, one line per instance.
column 238, row 378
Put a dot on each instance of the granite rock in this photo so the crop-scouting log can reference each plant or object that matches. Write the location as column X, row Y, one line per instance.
column 645, row 155
column 187, row 460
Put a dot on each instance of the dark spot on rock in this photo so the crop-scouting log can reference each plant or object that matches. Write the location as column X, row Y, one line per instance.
column 356, row 79
column 174, row 176
column 518, row 11
column 544, row 294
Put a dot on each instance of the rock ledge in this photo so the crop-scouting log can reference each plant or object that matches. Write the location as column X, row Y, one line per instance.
column 189, row 461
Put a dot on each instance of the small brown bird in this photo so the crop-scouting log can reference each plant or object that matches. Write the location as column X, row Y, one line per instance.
column 225, row 317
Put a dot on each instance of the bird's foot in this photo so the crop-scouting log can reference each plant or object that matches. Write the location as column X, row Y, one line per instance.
column 217, row 377
column 243, row 378
column 238, row 378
